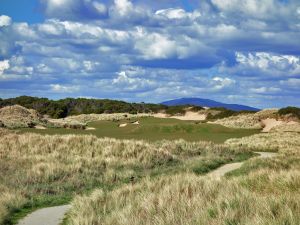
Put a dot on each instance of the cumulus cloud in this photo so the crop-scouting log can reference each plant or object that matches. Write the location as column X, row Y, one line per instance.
column 5, row 21
column 4, row 65
column 58, row 88
column 220, row 82
column 265, row 64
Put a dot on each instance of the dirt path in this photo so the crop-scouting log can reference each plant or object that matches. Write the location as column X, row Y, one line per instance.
column 221, row 171
column 46, row 216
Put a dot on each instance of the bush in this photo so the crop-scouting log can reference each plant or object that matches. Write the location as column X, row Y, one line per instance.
column 295, row 111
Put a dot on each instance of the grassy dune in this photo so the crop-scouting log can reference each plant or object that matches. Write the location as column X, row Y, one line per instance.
column 267, row 191
column 262, row 198
column 43, row 170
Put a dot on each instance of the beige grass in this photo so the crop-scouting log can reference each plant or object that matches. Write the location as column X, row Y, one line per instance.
column 85, row 118
column 284, row 142
column 18, row 116
column 268, row 194
column 262, row 198
column 33, row 165
column 248, row 120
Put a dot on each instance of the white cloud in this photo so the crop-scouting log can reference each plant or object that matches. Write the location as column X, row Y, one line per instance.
column 268, row 63
column 250, row 8
column 51, row 27
column 292, row 83
column 265, row 90
column 123, row 81
column 177, row 13
column 4, row 65
column 219, row 83
column 5, row 21
column 156, row 46
column 64, row 89
column 43, row 68
column 123, row 7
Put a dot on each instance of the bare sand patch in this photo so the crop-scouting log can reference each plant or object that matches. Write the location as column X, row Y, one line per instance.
column 39, row 127
column 123, row 125
column 187, row 116
column 90, row 128
column 270, row 123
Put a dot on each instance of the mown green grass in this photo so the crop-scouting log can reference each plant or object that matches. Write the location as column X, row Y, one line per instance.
column 153, row 129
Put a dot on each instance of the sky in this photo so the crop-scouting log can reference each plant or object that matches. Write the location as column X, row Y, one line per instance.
column 233, row 51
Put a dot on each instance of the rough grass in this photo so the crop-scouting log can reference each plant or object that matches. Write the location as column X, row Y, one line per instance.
column 267, row 191
column 38, row 171
column 263, row 198
column 286, row 143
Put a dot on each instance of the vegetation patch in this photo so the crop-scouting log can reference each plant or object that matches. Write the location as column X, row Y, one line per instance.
column 293, row 111
column 68, row 165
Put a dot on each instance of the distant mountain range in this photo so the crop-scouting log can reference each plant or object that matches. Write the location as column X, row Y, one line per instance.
column 207, row 103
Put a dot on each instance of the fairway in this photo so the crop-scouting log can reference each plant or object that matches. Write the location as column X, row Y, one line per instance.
column 153, row 129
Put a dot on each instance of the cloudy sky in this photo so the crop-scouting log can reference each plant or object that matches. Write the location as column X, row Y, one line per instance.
column 234, row 51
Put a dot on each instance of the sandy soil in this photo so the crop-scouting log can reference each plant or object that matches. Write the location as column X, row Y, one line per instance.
column 90, row 128
column 269, row 123
column 39, row 127
column 187, row 116
column 46, row 216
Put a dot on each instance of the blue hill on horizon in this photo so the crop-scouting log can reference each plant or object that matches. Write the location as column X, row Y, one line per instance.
column 208, row 103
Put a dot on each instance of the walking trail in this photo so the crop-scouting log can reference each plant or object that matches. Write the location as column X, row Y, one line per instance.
column 55, row 215
column 221, row 171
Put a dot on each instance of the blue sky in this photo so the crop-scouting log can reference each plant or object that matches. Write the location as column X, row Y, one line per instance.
column 233, row 51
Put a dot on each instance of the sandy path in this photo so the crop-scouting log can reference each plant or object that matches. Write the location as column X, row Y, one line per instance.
column 221, row 171
column 46, row 216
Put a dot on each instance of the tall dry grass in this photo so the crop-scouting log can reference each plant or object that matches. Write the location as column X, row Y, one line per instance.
column 85, row 118
column 39, row 169
column 262, row 198
column 248, row 120
column 268, row 192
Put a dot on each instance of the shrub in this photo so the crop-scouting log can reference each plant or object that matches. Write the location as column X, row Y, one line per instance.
column 295, row 111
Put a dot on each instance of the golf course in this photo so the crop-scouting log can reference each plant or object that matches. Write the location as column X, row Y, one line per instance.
column 153, row 129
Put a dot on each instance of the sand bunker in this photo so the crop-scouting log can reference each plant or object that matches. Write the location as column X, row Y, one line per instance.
column 123, row 125
column 39, row 127
column 187, row 116
column 270, row 123
column 90, row 128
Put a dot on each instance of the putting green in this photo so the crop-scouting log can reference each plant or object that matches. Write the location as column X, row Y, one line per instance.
column 153, row 129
